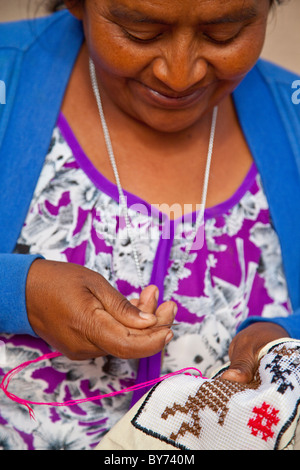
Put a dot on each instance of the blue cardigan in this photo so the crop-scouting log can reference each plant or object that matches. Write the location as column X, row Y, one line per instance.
column 36, row 60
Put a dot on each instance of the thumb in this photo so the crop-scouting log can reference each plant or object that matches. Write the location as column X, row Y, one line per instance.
column 238, row 373
column 244, row 350
column 242, row 367
column 138, row 313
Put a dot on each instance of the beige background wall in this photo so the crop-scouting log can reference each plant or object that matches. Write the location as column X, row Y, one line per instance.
column 282, row 43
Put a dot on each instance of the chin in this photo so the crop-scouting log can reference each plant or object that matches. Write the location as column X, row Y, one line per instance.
column 171, row 124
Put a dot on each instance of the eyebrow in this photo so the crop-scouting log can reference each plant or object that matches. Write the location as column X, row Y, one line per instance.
column 123, row 13
column 246, row 14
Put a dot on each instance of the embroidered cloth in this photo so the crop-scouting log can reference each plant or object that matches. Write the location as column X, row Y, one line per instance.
column 190, row 413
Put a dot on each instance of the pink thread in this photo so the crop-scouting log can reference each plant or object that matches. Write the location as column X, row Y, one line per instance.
column 10, row 375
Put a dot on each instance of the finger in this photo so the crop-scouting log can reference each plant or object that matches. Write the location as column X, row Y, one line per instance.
column 131, row 316
column 128, row 313
column 148, row 299
column 242, row 368
column 244, row 350
column 150, row 344
column 235, row 374
column 78, row 352
column 127, row 343
column 134, row 302
column 166, row 313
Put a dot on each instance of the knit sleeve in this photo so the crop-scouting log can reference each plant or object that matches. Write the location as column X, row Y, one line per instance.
column 291, row 323
column 13, row 275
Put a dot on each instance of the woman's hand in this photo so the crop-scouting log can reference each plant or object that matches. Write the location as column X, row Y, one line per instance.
column 80, row 314
column 244, row 350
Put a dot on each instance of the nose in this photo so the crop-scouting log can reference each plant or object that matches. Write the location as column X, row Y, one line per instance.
column 180, row 65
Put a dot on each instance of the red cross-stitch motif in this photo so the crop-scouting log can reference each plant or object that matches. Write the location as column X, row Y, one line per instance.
column 261, row 425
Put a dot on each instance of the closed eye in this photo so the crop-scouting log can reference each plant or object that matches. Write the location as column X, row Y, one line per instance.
column 144, row 38
column 225, row 33
column 220, row 41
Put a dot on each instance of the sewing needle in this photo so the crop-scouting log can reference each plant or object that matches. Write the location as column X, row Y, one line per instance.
column 166, row 325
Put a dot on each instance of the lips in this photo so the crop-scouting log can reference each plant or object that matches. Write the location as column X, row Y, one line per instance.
column 171, row 100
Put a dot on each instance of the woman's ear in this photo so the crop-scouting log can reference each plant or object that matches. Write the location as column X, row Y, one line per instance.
column 75, row 7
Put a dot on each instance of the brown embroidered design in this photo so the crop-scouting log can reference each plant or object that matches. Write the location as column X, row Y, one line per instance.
column 214, row 394
column 286, row 351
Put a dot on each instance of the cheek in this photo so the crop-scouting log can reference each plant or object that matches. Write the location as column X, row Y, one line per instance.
column 236, row 61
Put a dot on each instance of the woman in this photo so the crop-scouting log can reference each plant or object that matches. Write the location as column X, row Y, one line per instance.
column 174, row 79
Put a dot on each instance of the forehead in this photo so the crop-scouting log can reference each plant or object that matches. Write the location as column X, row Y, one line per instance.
column 170, row 11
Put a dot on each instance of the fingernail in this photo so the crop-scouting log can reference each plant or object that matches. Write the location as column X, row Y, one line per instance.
column 155, row 292
column 146, row 316
column 233, row 375
column 175, row 310
column 169, row 337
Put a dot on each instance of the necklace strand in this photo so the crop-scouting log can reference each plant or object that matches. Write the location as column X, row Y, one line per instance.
column 122, row 198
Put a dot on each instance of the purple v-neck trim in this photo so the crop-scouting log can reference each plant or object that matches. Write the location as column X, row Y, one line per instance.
column 110, row 188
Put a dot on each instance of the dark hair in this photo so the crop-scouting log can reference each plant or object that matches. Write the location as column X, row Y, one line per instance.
column 55, row 5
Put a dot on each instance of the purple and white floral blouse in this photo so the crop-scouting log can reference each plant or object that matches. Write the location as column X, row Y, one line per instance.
column 234, row 271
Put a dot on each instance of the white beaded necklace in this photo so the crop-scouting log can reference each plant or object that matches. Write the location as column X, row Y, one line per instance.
column 122, row 198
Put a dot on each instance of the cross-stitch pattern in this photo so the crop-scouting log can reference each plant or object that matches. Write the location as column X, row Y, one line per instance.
column 214, row 395
column 266, row 417
column 193, row 413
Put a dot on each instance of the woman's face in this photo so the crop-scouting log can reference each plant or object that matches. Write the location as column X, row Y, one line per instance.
column 166, row 63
